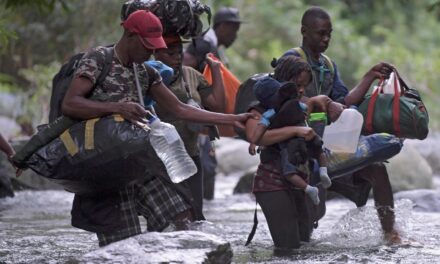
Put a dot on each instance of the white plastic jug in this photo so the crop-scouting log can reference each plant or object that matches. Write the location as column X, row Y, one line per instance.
column 342, row 136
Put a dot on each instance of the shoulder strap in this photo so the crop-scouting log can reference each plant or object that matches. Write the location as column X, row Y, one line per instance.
column 254, row 227
column 329, row 63
column 185, row 83
column 108, row 52
column 301, row 53
column 327, row 59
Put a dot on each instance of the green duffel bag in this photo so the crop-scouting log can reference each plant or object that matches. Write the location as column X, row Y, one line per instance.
column 97, row 155
column 402, row 114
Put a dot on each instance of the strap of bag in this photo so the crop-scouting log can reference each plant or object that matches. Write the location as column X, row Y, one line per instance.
column 396, row 107
column 371, row 106
column 254, row 227
column 138, row 85
column 185, row 83
column 108, row 51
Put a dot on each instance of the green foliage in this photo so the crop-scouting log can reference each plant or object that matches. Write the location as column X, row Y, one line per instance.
column 365, row 32
column 37, row 95
column 41, row 5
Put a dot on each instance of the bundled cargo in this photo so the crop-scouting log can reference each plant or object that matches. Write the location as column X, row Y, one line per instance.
column 84, row 161
column 373, row 148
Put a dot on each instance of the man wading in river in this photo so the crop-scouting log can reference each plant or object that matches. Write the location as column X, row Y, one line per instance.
column 114, row 216
column 316, row 29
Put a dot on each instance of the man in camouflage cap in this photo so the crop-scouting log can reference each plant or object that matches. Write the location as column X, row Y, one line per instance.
column 114, row 216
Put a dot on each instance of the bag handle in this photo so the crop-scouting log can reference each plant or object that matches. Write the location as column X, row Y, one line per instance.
column 395, row 110
column 396, row 106
column 372, row 105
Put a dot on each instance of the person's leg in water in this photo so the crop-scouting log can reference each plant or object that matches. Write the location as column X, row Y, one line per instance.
column 377, row 175
column 195, row 185
column 209, row 163
column 282, row 218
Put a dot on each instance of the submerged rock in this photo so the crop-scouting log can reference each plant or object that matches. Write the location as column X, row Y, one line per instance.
column 171, row 247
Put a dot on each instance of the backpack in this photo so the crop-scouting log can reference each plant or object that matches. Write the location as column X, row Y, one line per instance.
column 245, row 98
column 177, row 16
column 62, row 80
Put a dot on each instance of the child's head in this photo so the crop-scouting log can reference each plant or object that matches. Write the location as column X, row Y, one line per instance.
column 265, row 89
column 293, row 69
column 271, row 93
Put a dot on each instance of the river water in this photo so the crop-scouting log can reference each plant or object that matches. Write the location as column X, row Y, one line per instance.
column 35, row 228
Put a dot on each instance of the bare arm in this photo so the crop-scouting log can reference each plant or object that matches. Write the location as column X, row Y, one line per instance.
column 322, row 103
column 356, row 95
column 167, row 100
column 6, row 147
column 76, row 105
column 277, row 135
column 216, row 100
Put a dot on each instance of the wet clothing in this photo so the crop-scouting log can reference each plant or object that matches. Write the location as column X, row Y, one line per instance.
column 208, row 164
column 153, row 200
column 199, row 89
column 289, row 212
column 114, row 216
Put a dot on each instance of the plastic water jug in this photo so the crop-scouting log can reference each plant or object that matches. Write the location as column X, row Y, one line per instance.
column 342, row 136
column 171, row 150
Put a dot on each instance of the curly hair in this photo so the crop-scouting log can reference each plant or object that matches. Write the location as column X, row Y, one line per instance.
column 290, row 67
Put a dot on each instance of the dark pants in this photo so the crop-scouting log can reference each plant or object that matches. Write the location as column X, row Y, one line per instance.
column 288, row 217
column 209, row 163
column 195, row 185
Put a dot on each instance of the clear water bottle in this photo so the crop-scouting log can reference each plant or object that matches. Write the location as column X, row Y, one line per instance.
column 171, row 150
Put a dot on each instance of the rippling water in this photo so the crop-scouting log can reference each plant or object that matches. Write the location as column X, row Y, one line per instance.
column 35, row 228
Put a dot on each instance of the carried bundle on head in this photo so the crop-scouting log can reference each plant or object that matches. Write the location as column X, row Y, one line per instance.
column 177, row 16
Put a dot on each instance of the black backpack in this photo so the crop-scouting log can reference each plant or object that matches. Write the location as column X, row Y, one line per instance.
column 62, row 80
column 245, row 98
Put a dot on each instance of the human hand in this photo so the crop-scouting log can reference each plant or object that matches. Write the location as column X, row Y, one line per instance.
column 305, row 132
column 131, row 111
column 240, row 119
column 381, row 70
column 18, row 171
column 318, row 103
column 212, row 61
column 252, row 148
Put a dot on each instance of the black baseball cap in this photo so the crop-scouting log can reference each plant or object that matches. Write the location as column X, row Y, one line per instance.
column 227, row 14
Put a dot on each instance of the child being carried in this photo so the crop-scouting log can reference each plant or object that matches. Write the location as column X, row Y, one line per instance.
column 284, row 108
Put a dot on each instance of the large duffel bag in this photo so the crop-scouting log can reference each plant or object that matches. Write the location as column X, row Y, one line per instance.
column 401, row 113
column 372, row 148
column 97, row 155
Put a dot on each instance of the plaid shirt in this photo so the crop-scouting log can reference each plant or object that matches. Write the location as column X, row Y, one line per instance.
column 268, row 178
column 157, row 202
